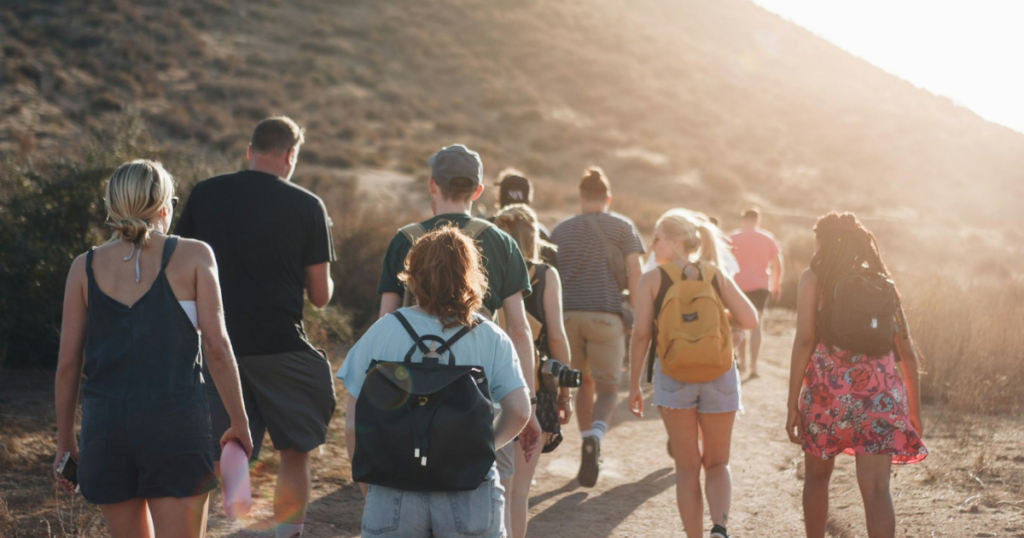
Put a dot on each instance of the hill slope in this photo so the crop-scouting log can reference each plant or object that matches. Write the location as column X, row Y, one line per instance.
column 712, row 104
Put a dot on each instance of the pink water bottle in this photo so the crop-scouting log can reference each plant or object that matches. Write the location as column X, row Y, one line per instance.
column 234, row 478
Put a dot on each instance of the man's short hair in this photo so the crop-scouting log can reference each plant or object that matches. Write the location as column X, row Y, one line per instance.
column 595, row 185
column 459, row 189
column 276, row 135
column 753, row 213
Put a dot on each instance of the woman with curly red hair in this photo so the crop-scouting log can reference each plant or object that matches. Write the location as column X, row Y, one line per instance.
column 845, row 394
column 443, row 270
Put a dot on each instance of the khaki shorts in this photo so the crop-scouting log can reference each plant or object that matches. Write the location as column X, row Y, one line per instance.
column 597, row 344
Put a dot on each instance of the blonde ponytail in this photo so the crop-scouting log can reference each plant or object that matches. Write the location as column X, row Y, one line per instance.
column 708, row 243
column 135, row 193
column 698, row 235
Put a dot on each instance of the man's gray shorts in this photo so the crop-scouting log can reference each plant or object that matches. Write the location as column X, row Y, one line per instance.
column 505, row 458
column 291, row 395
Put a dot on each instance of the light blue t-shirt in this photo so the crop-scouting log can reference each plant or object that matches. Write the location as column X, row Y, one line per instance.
column 486, row 346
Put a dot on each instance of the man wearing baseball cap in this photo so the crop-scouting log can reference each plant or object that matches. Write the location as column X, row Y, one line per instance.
column 456, row 180
column 515, row 188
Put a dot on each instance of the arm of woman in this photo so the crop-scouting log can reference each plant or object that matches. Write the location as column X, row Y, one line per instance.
column 640, row 341
column 803, row 346
column 558, row 342
column 742, row 312
column 70, row 358
column 350, row 434
column 911, row 374
column 217, row 347
column 516, row 411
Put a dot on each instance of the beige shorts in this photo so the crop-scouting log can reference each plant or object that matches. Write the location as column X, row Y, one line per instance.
column 597, row 344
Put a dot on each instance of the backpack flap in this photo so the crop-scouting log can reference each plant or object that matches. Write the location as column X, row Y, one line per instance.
column 864, row 312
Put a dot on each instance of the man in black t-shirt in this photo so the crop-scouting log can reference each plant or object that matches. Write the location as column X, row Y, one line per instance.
column 272, row 242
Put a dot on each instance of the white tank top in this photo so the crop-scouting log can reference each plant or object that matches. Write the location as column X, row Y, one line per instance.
column 190, row 310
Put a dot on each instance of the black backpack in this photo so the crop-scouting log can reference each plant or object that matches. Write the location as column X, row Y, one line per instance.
column 424, row 426
column 864, row 310
column 534, row 305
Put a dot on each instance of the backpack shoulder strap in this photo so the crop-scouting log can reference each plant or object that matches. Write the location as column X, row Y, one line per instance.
column 539, row 273
column 412, row 332
column 475, row 227
column 709, row 272
column 413, row 231
column 667, row 279
column 590, row 218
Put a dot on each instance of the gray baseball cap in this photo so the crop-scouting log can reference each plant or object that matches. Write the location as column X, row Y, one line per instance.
column 456, row 161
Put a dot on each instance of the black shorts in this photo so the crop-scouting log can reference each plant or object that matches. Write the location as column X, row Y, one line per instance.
column 145, row 449
column 291, row 395
column 759, row 298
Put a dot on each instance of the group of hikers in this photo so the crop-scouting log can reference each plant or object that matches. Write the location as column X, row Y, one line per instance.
column 492, row 334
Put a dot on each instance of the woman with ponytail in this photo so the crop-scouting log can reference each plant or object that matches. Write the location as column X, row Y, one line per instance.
column 844, row 400
column 688, row 245
column 544, row 309
column 132, row 311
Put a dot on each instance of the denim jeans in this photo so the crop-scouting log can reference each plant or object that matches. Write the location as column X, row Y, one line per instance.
column 393, row 513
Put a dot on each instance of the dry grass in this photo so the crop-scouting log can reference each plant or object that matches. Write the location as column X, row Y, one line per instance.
column 969, row 331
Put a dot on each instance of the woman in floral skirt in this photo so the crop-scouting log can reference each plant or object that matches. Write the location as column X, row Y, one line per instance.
column 844, row 401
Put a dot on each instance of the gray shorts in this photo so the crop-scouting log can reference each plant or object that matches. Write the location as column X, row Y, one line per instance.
column 720, row 395
column 505, row 458
column 291, row 395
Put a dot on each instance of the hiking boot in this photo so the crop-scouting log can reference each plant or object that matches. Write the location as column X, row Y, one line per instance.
column 718, row 531
column 590, row 462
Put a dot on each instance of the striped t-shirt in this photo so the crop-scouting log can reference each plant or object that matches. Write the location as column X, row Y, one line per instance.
column 587, row 281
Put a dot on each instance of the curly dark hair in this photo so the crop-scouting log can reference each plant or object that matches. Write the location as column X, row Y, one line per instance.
column 845, row 247
column 444, row 271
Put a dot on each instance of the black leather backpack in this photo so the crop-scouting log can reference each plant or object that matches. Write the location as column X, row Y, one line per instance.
column 424, row 426
column 864, row 310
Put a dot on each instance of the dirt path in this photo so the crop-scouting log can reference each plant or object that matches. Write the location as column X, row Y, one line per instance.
column 972, row 484
column 635, row 495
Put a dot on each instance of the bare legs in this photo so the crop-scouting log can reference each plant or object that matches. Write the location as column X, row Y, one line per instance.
column 873, row 479
column 604, row 406
column 817, row 473
column 755, row 347
column 717, row 434
column 595, row 401
column 518, row 498
column 682, row 426
column 165, row 517
column 293, row 485
column 585, row 403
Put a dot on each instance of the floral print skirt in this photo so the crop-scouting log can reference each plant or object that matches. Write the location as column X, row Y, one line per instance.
column 856, row 404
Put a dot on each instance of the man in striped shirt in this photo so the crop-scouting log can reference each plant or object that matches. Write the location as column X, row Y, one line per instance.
column 592, row 298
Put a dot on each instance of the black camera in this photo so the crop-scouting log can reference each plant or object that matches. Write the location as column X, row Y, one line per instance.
column 562, row 375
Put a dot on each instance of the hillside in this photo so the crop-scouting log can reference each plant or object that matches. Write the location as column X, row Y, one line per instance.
column 711, row 104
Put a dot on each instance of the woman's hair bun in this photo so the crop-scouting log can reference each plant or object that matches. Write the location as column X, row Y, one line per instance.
column 131, row 229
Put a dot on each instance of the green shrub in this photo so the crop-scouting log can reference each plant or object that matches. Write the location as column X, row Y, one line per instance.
column 50, row 211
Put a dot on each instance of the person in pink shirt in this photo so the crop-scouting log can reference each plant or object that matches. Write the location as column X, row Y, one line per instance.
column 756, row 251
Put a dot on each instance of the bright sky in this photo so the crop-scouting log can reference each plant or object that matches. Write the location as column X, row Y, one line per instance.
column 971, row 51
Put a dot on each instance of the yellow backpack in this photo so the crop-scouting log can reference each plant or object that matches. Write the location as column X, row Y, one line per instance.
column 694, row 341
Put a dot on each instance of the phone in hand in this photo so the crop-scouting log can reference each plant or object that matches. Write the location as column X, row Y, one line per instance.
column 68, row 468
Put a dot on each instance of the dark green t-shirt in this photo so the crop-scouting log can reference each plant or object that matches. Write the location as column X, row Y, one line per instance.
column 504, row 263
